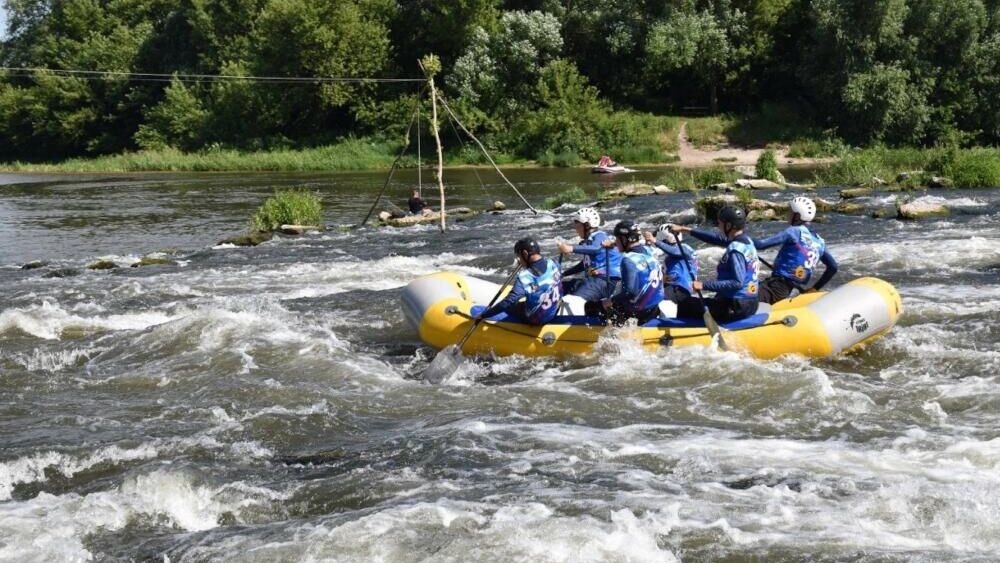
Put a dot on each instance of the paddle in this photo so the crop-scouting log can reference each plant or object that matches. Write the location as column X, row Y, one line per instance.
column 449, row 359
column 713, row 327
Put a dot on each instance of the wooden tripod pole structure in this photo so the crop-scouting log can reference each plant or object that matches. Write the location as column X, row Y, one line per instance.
column 431, row 65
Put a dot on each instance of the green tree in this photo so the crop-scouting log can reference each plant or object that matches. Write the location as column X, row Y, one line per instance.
column 498, row 71
column 177, row 121
column 569, row 118
column 694, row 42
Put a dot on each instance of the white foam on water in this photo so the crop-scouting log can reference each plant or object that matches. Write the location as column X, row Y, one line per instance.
column 53, row 361
column 317, row 279
column 952, row 202
column 31, row 469
column 917, row 492
column 49, row 321
column 450, row 530
column 50, row 527
column 940, row 255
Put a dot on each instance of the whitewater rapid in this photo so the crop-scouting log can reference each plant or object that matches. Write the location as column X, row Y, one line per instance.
column 258, row 405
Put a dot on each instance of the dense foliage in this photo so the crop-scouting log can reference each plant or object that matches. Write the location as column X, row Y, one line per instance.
column 288, row 207
column 550, row 79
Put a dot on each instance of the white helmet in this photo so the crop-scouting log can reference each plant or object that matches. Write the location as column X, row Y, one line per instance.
column 804, row 207
column 588, row 216
column 664, row 234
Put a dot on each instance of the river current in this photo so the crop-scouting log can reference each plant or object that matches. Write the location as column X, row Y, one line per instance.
column 256, row 404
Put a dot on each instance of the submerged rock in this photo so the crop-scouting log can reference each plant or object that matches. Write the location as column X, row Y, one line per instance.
column 63, row 273
column 851, row 193
column 939, row 182
column 298, row 229
column 458, row 214
column 763, row 215
column 628, row 190
column 102, row 265
column 709, row 207
column 849, row 208
column 249, row 239
column 883, row 212
column 34, row 265
column 154, row 261
column 760, row 184
column 921, row 209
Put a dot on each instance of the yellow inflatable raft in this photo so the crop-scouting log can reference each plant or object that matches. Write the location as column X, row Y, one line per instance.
column 816, row 325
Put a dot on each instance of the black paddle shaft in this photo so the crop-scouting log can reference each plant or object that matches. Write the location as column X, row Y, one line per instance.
column 476, row 322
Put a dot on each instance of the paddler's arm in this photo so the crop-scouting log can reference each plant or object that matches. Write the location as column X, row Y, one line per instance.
column 669, row 249
column 592, row 249
column 516, row 294
column 771, row 242
column 831, row 270
column 737, row 266
column 701, row 234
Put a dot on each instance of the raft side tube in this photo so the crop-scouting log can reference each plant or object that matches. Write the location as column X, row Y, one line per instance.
column 856, row 312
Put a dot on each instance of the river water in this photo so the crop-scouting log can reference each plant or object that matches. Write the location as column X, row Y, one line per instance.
column 254, row 404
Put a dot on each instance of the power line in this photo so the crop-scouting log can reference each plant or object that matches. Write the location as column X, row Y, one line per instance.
column 160, row 77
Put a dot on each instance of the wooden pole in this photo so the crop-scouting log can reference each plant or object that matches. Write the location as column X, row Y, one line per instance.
column 488, row 157
column 430, row 72
column 420, row 164
column 395, row 163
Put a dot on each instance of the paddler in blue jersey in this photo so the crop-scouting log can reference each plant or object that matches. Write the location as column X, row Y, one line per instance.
column 599, row 276
column 537, row 291
column 639, row 294
column 736, row 283
column 801, row 251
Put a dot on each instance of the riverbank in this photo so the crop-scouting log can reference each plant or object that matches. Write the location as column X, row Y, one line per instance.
column 687, row 143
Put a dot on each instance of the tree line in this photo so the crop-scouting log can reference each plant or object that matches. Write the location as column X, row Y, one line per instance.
column 532, row 77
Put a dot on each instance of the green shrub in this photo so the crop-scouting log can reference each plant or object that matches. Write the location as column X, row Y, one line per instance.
column 812, row 148
column 572, row 195
column 974, row 169
column 767, row 166
column 705, row 177
column 744, row 196
column 678, row 179
column 774, row 123
column 288, row 207
column 709, row 131
column 854, row 169
column 562, row 159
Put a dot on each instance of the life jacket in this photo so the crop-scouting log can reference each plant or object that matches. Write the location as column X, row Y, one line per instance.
column 750, row 276
column 680, row 271
column 648, row 288
column 544, row 291
column 595, row 265
column 797, row 258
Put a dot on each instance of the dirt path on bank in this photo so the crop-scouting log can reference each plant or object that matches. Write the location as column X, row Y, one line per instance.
column 731, row 156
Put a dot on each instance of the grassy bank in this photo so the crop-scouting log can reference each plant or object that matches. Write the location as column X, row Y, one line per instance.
column 655, row 136
column 350, row 154
column 774, row 125
column 961, row 168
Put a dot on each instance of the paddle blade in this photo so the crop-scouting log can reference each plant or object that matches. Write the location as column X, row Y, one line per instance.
column 714, row 329
column 444, row 365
